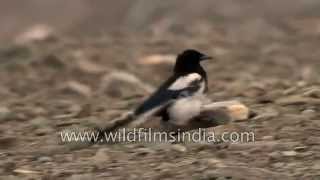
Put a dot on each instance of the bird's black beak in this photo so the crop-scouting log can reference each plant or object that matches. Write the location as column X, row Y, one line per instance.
column 205, row 57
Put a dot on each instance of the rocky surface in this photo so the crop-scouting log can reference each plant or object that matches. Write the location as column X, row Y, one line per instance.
column 62, row 83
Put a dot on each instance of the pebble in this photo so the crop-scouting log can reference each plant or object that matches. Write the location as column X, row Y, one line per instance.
column 309, row 112
column 292, row 100
column 290, row 91
column 40, row 126
column 38, row 32
column 275, row 155
column 84, row 64
column 314, row 93
column 215, row 162
column 278, row 165
column 301, row 83
column 266, row 116
column 101, row 156
column 300, row 148
column 267, row 138
column 144, row 151
column 44, row 159
column 157, row 59
column 122, row 83
column 43, row 131
column 39, row 122
column 4, row 113
column 178, row 148
column 75, row 87
column 289, row 153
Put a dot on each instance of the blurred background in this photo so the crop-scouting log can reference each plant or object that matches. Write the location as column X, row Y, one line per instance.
column 78, row 64
column 78, row 17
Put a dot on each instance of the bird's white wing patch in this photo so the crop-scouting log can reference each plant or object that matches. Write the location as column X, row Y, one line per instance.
column 185, row 81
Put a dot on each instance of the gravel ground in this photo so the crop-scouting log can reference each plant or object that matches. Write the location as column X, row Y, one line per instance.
column 62, row 83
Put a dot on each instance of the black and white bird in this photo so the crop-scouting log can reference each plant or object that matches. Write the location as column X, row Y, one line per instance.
column 179, row 98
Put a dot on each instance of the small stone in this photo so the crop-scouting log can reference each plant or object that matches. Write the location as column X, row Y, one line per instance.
column 38, row 111
column 164, row 166
column 300, row 148
column 39, row 122
column 157, row 59
column 309, row 112
column 292, row 165
column 24, row 171
column 41, row 126
column 267, row 138
column 293, row 100
column 275, row 155
column 44, row 159
column 179, row 148
column 84, row 111
column 144, row 151
column 227, row 110
column 278, row 165
column 5, row 113
column 289, row 153
column 84, row 64
column 314, row 93
column 266, row 116
column 101, row 156
column 301, row 83
column 290, row 90
column 38, row 32
column 75, row 87
column 43, row 131
column 215, row 162
column 123, row 84
column 238, row 112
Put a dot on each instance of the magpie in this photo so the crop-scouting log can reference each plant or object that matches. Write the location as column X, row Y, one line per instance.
column 188, row 80
column 178, row 100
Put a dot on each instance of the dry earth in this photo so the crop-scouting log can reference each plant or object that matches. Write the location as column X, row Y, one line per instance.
column 61, row 82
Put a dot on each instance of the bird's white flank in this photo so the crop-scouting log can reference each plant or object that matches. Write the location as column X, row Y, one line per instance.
column 183, row 110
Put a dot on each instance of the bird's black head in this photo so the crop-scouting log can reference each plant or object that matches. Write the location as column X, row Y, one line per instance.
column 189, row 61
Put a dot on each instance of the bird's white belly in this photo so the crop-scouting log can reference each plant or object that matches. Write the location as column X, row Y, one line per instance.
column 184, row 109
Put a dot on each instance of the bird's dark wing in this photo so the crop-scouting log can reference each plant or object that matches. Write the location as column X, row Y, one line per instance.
column 164, row 94
column 159, row 97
